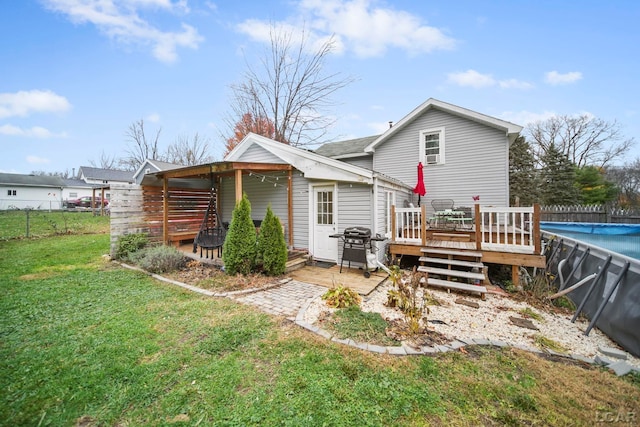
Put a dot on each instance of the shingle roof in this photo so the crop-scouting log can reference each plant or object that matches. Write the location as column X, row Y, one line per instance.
column 31, row 180
column 348, row 148
column 106, row 174
column 72, row 182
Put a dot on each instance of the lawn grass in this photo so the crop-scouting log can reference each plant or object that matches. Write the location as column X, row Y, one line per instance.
column 41, row 223
column 85, row 342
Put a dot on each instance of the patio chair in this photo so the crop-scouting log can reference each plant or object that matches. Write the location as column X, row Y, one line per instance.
column 440, row 205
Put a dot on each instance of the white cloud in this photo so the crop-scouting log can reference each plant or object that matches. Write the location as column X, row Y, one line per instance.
column 33, row 132
column 515, row 84
column 121, row 21
column 555, row 78
column 37, row 160
column 23, row 103
column 358, row 26
column 472, row 78
column 523, row 118
column 153, row 118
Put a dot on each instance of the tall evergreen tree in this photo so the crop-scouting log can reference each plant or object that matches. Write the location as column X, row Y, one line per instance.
column 558, row 176
column 239, row 250
column 595, row 189
column 524, row 183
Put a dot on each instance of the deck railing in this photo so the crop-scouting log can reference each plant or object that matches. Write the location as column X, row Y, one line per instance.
column 502, row 229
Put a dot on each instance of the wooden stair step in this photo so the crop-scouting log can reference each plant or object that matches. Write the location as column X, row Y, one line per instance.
column 456, row 285
column 452, row 252
column 452, row 273
column 457, row 262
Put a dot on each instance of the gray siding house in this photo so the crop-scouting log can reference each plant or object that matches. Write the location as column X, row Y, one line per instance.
column 354, row 183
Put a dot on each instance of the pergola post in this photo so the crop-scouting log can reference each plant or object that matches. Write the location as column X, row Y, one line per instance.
column 165, row 209
column 238, row 185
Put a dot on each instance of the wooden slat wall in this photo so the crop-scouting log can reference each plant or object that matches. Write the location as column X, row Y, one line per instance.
column 186, row 209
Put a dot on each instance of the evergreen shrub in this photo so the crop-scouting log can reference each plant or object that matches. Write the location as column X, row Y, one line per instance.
column 272, row 248
column 239, row 249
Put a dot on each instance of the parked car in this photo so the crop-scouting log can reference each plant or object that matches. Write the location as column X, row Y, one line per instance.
column 85, row 202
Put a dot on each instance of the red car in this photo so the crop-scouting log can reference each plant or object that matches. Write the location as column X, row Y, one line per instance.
column 85, row 202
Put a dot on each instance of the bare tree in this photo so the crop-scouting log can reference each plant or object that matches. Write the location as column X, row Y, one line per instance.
column 627, row 179
column 105, row 162
column 62, row 174
column 189, row 152
column 140, row 147
column 584, row 139
column 289, row 88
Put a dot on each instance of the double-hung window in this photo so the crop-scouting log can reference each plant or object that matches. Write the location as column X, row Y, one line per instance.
column 432, row 146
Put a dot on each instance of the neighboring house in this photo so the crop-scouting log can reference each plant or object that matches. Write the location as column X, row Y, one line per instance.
column 19, row 191
column 103, row 178
column 92, row 175
column 151, row 166
column 76, row 188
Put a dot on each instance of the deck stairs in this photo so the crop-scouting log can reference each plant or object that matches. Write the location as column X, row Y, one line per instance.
column 453, row 264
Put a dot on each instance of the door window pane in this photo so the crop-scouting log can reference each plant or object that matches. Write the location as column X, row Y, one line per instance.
column 324, row 207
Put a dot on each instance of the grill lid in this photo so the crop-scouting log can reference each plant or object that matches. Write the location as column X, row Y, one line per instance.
column 361, row 232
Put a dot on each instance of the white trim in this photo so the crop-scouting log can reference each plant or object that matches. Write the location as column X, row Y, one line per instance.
column 441, row 146
column 336, row 209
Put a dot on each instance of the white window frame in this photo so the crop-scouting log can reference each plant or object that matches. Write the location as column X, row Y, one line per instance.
column 441, row 146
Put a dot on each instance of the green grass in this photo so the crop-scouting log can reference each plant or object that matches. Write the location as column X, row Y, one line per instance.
column 360, row 326
column 13, row 224
column 85, row 341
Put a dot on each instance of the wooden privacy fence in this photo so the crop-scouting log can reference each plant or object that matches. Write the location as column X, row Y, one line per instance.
column 136, row 209
column 589, row 213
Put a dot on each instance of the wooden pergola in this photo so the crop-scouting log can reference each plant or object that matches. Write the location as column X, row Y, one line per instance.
column 215, row 171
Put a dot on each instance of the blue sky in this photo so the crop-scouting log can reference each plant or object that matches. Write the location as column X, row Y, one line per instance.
column 75, row 74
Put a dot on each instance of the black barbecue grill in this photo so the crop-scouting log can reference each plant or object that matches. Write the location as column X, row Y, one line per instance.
column 357, row 242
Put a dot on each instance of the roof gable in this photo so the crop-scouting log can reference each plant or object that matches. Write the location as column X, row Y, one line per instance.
column 157, row 165
column 105, row 174
column 512, row 130
column 311, row 164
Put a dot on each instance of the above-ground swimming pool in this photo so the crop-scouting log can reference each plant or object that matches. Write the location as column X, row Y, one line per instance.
column 621, row 238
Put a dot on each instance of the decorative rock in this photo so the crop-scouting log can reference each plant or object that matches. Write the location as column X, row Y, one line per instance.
column 613, row 352
column 472, row 304
column 620, row 368
column 523, row 323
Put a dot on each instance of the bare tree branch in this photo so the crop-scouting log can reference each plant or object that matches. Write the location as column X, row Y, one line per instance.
column 140, row 148
column 290, row 88
column 189, row 152
column 584, row 139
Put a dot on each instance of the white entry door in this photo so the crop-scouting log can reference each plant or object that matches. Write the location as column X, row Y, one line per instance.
column 324, row 224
